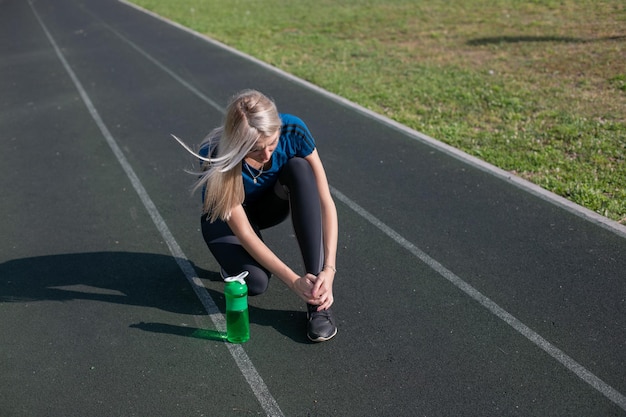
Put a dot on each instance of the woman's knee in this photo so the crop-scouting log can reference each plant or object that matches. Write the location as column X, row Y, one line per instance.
column 298, row 174
column 257, row 280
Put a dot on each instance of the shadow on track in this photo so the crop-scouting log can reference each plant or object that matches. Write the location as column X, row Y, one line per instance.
column 139, row 279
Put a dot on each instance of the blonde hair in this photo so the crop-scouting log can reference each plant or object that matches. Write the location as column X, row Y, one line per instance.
column 250, row 115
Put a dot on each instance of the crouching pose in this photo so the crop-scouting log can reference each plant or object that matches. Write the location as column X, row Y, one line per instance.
column 257, row 167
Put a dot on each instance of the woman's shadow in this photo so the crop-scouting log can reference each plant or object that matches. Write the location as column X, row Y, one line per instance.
column 139, row 279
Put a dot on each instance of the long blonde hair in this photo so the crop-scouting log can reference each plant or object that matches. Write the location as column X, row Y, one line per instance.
column 250, row 115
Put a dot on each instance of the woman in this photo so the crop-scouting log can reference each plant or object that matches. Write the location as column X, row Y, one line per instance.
column 258, row 166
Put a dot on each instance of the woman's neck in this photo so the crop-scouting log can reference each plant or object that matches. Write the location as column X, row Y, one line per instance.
column 256, row 164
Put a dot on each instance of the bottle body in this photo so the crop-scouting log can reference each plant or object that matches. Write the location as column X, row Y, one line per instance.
column 237, row 326
column 237, row 316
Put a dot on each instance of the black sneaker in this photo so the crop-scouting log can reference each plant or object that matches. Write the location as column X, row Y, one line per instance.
column 321, row 326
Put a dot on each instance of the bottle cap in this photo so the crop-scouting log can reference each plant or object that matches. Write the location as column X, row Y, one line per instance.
column 238, row 278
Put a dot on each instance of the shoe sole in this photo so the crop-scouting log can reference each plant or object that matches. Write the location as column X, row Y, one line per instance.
column 322, row 338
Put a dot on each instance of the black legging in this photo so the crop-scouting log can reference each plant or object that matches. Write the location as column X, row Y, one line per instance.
column 271, row 209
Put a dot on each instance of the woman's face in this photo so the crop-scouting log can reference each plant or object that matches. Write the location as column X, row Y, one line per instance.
column 263, row 149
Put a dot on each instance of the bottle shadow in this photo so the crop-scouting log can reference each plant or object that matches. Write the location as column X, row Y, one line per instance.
column 205, row 334
column 128, row 278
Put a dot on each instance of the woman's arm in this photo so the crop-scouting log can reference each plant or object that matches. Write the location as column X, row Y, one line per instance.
column 323, row 289
column 240, row 225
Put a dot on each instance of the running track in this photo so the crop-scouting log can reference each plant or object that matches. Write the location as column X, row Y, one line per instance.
column 462, row 291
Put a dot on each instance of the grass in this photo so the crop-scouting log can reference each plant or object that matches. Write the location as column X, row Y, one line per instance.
column 537, row 88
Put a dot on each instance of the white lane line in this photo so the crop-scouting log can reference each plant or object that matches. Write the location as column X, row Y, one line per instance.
column 579, row 370
column 244, row 363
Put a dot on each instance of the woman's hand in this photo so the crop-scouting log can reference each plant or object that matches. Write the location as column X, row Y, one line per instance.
column 303, row 287
column 322, row 293
column 316, row 290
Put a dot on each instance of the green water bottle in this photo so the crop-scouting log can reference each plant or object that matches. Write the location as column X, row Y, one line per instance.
column 237, row 320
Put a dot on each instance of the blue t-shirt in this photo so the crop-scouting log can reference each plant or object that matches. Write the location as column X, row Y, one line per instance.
column 295, row 141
